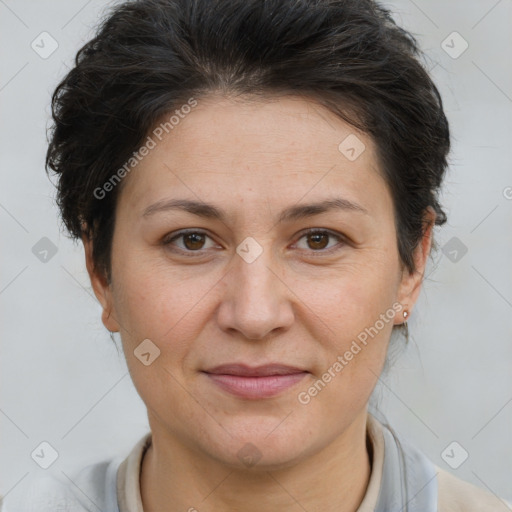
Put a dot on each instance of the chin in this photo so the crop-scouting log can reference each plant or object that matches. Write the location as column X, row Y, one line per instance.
column 262, row 448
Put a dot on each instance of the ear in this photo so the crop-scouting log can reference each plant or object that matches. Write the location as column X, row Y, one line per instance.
column 101, row 288
column 410, row 285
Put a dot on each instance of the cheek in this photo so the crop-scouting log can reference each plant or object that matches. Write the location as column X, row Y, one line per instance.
column 162, row 303
column 171, row 305
column 355, row 296
column 166, row 309
column 355, row 343
column 357, row 308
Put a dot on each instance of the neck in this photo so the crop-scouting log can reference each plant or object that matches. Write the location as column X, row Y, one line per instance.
column 175, row 478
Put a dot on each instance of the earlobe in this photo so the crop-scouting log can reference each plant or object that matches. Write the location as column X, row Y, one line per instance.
column 410, row 286
column 101, row 288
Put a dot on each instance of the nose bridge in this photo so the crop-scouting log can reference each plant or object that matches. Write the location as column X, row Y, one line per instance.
column 256, row 302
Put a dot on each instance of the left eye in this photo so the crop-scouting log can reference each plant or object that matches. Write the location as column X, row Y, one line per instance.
column 319, row 240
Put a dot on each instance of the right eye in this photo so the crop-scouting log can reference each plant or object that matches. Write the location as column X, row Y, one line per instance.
column 193, row 241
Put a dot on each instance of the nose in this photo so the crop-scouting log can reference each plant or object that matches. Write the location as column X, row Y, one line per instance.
column 256, row 300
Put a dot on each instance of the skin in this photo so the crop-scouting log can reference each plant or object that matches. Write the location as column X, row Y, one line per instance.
column 295, row 304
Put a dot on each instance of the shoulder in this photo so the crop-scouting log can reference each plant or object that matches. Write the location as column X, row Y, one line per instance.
column 89, row 490
column 451, row 493
column 456, row 495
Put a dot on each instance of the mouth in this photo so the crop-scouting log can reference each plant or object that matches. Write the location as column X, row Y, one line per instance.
column 259, row 382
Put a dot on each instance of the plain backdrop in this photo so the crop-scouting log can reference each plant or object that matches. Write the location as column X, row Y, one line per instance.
column 63, row 381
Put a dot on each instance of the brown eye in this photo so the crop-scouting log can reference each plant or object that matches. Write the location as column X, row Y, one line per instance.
column 191, row 241
column 318, row 241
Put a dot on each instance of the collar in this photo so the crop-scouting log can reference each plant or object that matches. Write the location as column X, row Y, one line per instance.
column 402, row 479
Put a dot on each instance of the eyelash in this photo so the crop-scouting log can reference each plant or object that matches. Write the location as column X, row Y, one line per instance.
column 174, row 236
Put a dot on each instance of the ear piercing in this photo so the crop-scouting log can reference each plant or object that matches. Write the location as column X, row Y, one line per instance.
column 406, row 327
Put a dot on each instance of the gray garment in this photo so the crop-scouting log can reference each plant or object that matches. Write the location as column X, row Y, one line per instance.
column 94, row 489
column 409, row 484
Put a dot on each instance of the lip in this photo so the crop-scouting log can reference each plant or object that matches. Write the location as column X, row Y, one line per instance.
column 244, row 370
column 255, row 382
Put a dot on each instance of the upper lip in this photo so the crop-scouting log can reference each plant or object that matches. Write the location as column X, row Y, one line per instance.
column 255, row 371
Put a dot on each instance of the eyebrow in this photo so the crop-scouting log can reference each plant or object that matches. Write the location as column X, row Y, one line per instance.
column 296, row 212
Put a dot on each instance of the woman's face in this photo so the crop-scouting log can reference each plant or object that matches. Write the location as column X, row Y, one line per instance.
column 250, row 286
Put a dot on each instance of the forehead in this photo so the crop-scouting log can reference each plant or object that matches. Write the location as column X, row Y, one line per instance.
column 279, row 147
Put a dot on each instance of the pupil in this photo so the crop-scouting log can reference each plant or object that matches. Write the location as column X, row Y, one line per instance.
column 196, row 239
column 316, row 238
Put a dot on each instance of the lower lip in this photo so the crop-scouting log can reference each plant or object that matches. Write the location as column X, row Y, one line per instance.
column 256, row 387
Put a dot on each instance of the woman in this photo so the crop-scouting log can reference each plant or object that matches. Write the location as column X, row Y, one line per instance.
column 255, row 184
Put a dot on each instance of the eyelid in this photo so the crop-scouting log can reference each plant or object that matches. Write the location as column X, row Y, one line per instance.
column 167, row 239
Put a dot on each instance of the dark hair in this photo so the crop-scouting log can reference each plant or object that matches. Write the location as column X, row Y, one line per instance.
column 149, row 56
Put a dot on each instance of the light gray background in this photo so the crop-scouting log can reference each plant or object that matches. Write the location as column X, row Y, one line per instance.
column 62, row 380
